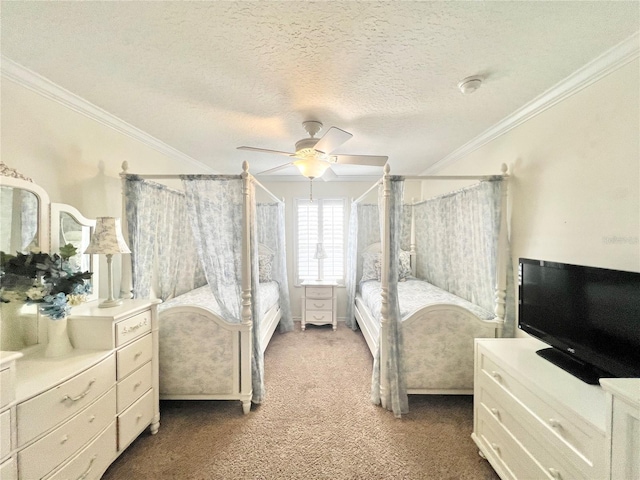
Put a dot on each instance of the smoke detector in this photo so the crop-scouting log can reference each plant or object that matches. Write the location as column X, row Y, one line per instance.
column 470, row 84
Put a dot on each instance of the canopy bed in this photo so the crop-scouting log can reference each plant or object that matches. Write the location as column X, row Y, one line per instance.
column 219, row 265
column 420, row 305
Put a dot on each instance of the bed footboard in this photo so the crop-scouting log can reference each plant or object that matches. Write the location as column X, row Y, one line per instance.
column 200, row 356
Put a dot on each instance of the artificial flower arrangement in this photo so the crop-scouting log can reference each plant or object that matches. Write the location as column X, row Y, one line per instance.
column 44, row 278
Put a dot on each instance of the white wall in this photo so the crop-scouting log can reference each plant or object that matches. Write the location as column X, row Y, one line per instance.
column 575, row 176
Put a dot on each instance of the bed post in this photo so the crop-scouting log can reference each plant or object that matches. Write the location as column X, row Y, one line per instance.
column 126, row 275
column 246, row 336
column 412, row 246
column 502, row 253
column 384, row 280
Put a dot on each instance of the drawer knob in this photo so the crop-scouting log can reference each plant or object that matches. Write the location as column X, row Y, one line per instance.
column 137, row 384
column 86, row 472
column 496, row 375
column 555, row 423
column 92, row 418
column 496, row 448
column 555, row 473
column 138, row 417
column 137, row 355
column 64, row 439
column 495, row 412
column 82, row 395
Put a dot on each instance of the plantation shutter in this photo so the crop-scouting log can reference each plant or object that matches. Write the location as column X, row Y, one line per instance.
column 320, row 227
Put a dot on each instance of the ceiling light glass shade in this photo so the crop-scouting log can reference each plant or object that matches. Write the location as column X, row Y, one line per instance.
column 312, row 167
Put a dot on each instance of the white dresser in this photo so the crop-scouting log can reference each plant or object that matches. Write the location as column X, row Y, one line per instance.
column 75, row 414
column 534, row 420
column 319, row 302
column 8, row 463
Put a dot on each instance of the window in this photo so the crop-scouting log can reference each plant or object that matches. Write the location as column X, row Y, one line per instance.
column 320, row 239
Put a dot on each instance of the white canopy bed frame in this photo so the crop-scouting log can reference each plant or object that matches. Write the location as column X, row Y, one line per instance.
column 221, row 351
column 418, row 328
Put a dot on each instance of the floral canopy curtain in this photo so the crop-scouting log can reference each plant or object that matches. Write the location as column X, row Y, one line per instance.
column 215, row 209
column 396, row 398
column 458, row 245
column 160, row 236
column 271, row 233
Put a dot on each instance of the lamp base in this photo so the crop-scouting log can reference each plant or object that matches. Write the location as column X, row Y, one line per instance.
column 110, row 303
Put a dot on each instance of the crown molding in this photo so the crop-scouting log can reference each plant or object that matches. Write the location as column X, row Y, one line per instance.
column 31, row 80
column 618, row 56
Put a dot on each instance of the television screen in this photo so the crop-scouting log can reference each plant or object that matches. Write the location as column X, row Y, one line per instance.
column 591, row 315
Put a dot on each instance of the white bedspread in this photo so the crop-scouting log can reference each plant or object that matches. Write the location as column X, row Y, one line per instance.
column 269, row 294
column 414, row 294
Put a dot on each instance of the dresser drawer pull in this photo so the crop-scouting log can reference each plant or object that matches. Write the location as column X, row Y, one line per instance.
column 64, row 439
column 496, row 375
column 92, row 418
column 555, row 423
column 555, row 473
column 496, row 413
column 138, row 417
column 86, row 472
column 496, row 448
column 82, row 395
column 318, row 317
column 137, row 385
column 318, row 306
column 137, row 354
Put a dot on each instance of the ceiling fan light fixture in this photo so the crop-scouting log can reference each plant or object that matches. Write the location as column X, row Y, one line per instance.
column 312, row 167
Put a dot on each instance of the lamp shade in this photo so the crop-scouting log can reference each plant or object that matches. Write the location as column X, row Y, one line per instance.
column 107, row 237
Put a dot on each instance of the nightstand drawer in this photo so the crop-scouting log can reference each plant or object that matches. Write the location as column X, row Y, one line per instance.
column 133, row 327
column 318, row 316
column 134, row 355
column 318, row 292
column 5, row 434
column 318, row 304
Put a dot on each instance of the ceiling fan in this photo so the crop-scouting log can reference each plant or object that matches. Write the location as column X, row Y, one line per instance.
column 313, row 156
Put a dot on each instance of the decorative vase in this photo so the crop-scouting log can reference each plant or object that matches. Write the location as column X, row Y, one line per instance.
column 58, row 343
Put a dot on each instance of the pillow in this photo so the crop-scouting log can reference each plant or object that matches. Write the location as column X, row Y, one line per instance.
column 404, row 265
column 371, row 267
column 265, row 267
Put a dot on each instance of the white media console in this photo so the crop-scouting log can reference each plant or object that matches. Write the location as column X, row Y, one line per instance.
column 534, row 420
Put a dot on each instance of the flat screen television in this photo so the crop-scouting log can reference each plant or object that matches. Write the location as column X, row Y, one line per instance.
column 589, row 316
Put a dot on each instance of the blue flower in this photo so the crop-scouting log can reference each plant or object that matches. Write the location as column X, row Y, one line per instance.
column 55, row 306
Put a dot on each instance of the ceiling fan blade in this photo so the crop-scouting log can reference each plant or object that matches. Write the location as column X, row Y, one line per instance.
column 332, row 140
column 372, row 160
column 329, row 175
column 275, row 169
column 264, row 150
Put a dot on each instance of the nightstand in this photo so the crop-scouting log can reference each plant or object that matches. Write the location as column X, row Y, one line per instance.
column 319, row 301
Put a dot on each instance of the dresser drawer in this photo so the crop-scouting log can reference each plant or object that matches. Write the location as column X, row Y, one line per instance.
column 133, row 327
column 318, row 292
column 53, row 449
column 318, row 304
column 52, row 407
column 8, row 470
column 134, row 355
column 132, row 387
column 7, row 388
column 509, row 459
column 134, row 420
column 318, row 316
column 91, row 462
column 5, row 434
column 583, row 440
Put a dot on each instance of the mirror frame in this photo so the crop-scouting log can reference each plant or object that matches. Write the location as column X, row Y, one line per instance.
column 56, row 210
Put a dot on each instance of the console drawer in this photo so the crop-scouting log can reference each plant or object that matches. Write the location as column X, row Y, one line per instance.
column 91, row 462
column 134, row 420
column 52, row 407
column 7, row 388
column 132, row 387
column 134, row 355
column 8, row 470
column 133, row 327
column 5, row 434
column 51, row 450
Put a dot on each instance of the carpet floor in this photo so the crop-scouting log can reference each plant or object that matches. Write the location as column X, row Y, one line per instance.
column 316, row 423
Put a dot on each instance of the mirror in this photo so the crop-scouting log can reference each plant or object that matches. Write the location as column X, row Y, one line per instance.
column 24, row 226
column 68, row 225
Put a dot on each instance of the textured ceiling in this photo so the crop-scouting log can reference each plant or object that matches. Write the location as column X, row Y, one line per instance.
column 206, row 77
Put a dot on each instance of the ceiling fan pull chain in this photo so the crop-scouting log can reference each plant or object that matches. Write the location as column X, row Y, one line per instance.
column 311, row 189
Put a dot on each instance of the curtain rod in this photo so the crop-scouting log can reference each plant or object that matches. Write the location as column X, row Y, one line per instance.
column 503, row 170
